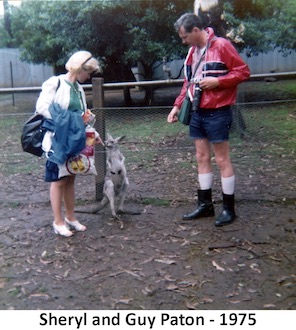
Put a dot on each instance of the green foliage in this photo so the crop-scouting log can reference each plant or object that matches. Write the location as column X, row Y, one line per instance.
column 49, row 31
column 121, row 33
column 4, row 37
column 259, row 36
column 152, row 32
column 285, row 26
column 268, row 23
column 156, row 201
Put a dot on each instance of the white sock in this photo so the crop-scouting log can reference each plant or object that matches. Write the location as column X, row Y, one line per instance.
column 205, row 181
column 228, row 185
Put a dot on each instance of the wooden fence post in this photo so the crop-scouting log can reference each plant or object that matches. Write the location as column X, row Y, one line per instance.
column 100, row 155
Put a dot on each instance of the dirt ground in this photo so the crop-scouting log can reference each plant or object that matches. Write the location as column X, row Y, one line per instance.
column 150, row 259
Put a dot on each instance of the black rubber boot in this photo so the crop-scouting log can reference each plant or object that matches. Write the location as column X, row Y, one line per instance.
column 205, row 206
column 228, row 214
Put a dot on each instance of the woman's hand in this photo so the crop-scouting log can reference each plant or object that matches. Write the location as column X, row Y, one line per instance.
column 88, row 117
column 99, row 141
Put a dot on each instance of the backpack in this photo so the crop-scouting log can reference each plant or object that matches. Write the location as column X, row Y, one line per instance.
column 33, row 133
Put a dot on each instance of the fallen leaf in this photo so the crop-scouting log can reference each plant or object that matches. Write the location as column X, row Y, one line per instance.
column 134, row 273
column 165, row 261
column 39, row 295
column 66, row 272
column 149, row 291
column 190, row 305
column 172, row 287
column 217, row 266
column 269, row 306
column 147, row 260
column 185, row 242
column 169, row 279
column 46, row 262
column 185, row 284
column 44, row 253
column 122, row 301
column 195, row 232
column 207, row 300
column 254, row 267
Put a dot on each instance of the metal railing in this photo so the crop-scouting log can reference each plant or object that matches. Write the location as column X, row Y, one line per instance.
column 121, row 85
column 98, row 87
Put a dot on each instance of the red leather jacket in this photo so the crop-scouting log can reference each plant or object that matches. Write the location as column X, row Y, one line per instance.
column 221, row 61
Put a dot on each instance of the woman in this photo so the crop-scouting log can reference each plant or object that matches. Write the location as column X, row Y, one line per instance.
column 67, row 93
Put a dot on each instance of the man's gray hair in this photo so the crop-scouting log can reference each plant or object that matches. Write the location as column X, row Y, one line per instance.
column 189, row 21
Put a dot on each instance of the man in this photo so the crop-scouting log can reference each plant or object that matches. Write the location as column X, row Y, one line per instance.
column 220, row 71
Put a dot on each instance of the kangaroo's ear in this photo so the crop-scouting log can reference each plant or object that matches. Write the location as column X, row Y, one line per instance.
column 120, row 138
column 109, row 137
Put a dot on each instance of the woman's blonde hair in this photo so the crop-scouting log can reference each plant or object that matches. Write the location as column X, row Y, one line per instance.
column 82, row 60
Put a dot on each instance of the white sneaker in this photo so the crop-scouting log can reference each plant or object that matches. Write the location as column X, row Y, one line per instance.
column 62, row 230
column 76, row 225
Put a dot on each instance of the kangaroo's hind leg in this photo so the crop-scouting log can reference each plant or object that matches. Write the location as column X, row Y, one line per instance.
column 102, row 204
column 109, row 193
column 123, row 194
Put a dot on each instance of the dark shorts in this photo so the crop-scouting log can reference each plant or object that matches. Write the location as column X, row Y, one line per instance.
column 51, row 172
column 211, row 124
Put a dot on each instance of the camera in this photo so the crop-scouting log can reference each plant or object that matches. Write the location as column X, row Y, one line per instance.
column 196, row 97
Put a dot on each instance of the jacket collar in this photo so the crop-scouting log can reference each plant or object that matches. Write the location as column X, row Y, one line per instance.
column 211, row 38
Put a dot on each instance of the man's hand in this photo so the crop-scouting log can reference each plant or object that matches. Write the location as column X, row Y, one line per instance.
column 209, row 83
column 173, row 115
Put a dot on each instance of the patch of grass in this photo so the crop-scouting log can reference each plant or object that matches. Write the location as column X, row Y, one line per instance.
column 275, row 126
column 9, row 129
column 269, row 127
column 156, row 202
column 15, row 205
column 150, row 128
column 20, row 163
column 258, row 91
column 13, row 160
column 14, row 291
column 42, row 290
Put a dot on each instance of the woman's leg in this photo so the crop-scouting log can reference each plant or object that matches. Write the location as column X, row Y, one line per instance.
column 57, row 189
column 69, row 200
column 69, row 197
column 56, row 198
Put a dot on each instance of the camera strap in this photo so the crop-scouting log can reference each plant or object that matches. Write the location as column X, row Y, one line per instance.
column 197, row 66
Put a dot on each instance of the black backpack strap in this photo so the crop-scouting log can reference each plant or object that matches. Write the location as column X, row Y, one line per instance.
column 59, row 84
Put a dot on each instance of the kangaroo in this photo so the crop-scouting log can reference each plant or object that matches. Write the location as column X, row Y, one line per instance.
column 116, row 182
